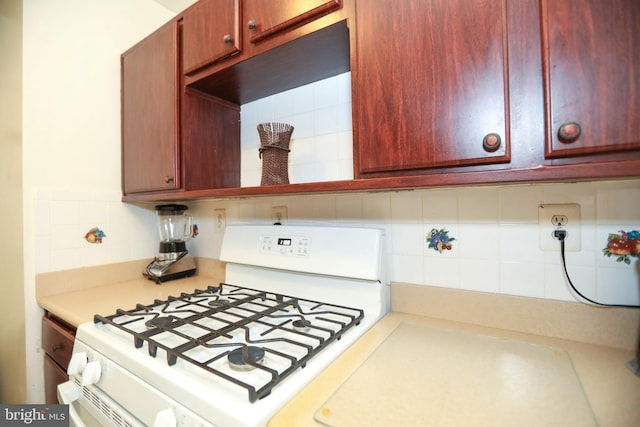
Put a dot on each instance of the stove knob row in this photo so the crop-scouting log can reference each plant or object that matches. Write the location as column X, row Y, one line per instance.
column 79, row 365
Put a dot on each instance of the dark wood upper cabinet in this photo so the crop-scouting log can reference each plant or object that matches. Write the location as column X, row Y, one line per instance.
column 431, row 84
column 150, row 108
column 174, row 139
column 267, row 18
column 211, row 33
column 591, row 53
column 444, row 92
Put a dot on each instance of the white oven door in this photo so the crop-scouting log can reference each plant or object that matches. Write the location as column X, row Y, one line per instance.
column 91, row 408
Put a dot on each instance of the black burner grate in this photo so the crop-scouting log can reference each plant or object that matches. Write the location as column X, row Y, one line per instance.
column 205, row 326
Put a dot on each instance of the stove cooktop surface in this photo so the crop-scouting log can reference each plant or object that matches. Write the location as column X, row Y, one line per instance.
column 250, row 338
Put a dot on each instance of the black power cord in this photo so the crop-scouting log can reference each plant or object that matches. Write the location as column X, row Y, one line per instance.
column 561, row 235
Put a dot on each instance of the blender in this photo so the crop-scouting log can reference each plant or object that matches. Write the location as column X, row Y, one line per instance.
column 176, row 227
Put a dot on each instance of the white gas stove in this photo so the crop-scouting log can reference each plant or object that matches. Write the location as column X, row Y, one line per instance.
column 233, row 354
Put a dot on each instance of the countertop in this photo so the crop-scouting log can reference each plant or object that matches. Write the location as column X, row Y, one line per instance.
column 79, row 306
column 75, row 296
column 611, row 388
column 599, row 358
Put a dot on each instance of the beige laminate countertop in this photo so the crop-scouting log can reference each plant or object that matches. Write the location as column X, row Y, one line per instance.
column 75, row 296
column 611, row 388
column 77, row 307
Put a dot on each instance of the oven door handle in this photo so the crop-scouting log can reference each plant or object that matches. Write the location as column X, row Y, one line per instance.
column 67, row 394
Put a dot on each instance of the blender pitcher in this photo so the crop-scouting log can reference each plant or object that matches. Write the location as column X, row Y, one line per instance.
column 175, row 226
column 174, row 223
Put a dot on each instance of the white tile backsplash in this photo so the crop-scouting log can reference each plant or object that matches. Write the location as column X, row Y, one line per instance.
column 618, row 203
column 496, row 247
column 495, row 229
column 63, row 218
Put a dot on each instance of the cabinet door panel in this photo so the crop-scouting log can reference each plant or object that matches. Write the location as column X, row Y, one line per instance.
column 211, row 135
column 592, row 74
column 211, row 32
column 267, row 18
column 150, row 157
column 53, row 375
column 430, row 84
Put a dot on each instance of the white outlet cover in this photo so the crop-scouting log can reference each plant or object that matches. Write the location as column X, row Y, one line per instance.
column 573, row 242
column 220, row 220
column 279, row 215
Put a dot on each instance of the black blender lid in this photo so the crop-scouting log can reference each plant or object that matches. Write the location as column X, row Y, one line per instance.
column 171, row 209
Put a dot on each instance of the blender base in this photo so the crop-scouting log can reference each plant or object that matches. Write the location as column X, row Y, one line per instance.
column 160, row 273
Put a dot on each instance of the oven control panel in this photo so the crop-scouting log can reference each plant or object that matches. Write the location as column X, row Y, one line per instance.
column 296, row 246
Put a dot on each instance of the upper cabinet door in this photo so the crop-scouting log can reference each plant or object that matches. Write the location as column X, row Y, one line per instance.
column 430, row 85
column 267, row 18
column 211, row 32
column 150, row 139
column 592, row 76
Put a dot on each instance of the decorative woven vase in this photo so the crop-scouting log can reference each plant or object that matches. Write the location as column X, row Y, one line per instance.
column 274, row 152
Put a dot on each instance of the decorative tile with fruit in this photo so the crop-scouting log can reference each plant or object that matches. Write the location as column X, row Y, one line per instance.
column 95, row 235
column 624, row 245
column 439, row 240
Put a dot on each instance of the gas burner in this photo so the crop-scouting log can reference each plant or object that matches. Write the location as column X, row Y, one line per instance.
column 159, row 322
column 302, row 325
column 238, row 362
column 219, row 301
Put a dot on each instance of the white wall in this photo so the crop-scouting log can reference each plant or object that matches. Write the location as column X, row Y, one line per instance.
column 71, row 143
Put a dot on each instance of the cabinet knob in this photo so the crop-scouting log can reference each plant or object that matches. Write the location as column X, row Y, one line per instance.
column 251, row 24
column 569, row 132
column 168, row 179
column 227, row 38
column 56, row 347
column 491, row 142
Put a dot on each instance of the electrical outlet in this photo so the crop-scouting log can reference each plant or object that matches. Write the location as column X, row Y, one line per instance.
column 560, row 216
column 220, row 219
column 279, row 215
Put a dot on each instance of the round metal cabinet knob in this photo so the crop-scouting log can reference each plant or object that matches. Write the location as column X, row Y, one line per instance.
column 227, row 38
column 251, row 24
column 168, row 179
column 569, row 132
column 491, row 142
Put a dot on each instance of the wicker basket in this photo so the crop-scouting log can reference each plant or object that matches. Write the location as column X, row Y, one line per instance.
column 274, row 152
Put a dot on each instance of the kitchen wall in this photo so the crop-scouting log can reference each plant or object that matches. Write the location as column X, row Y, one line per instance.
column 71, row 147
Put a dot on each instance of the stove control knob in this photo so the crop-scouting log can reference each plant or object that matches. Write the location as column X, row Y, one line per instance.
column 165, row 418
column 77, row 363
column 91, row 373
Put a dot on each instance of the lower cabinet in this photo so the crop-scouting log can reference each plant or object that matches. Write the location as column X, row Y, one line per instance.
column 57, row 343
